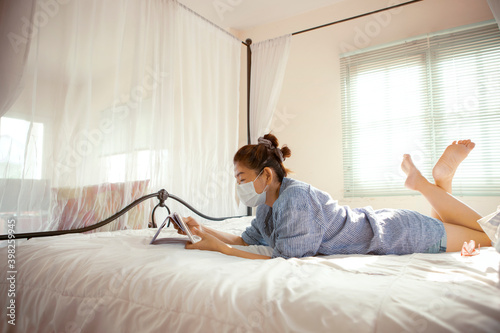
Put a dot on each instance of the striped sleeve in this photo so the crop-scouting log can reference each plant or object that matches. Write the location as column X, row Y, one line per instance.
column 252, row 235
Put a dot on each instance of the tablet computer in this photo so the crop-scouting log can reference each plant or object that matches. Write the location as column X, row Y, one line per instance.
column 175, row 218
column 183, row 226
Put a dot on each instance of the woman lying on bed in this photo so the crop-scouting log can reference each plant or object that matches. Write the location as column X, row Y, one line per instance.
column 298, row 220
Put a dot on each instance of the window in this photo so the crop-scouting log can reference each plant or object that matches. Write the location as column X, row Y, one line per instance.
column 417, row 97
column 21, row 147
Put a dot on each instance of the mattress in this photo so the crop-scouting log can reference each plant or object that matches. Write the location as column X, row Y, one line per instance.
column 118, row 282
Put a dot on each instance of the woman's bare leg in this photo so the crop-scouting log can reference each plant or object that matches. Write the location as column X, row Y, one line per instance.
column 459, row 220
column 450, row 209
column 457, row 235
column 447, row 165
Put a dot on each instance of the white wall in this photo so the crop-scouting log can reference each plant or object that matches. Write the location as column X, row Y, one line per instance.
column 308, row 116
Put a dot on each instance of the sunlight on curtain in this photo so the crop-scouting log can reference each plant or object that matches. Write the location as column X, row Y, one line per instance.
column 269, row 59
column 120, row 99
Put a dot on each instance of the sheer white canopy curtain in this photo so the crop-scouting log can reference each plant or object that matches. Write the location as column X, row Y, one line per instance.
column 269, row 59
column 13, row 58
column 106, row 101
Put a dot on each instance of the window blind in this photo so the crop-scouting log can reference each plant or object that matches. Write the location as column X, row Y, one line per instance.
column 417, row 97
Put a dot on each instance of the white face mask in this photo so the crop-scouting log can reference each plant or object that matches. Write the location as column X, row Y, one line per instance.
column 248, row 196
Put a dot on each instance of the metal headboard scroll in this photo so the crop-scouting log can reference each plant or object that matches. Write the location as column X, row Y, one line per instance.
column 162, row 196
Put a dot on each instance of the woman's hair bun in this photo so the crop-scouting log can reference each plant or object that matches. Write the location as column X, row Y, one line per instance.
column 274, row 140
column 286, row 151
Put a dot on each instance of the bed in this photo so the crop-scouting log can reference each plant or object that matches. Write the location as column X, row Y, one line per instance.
column 115, row 281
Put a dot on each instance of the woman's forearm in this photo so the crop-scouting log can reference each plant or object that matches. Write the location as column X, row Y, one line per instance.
column 225, row 236
column 231, row 251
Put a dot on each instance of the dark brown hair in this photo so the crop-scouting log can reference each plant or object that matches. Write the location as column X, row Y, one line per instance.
column 259, row 156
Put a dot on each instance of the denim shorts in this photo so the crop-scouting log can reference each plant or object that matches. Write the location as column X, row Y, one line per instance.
column 439, row 247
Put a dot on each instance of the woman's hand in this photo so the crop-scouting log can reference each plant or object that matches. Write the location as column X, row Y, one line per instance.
column 207, row 242
column 212, row 243
column 190, row 222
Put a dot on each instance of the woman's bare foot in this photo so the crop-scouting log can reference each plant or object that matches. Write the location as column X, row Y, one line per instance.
column 414, row 178
column 447, row 165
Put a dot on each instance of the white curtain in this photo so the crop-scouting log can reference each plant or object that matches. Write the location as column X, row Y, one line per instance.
column 269, row 59
column 121, row 98
column 495, row 8
column 14, row 38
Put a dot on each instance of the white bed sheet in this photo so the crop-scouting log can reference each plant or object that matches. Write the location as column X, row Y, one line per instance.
column 117, row 282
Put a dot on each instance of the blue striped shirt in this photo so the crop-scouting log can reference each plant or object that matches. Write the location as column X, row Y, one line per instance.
column 305, row 221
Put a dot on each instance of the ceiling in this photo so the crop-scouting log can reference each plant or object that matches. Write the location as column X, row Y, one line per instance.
column 246, row 14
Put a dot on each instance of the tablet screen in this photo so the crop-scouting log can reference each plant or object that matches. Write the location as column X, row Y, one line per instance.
column 159, row 229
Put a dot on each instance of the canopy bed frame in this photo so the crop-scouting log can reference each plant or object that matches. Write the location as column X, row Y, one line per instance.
column 116, row 281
